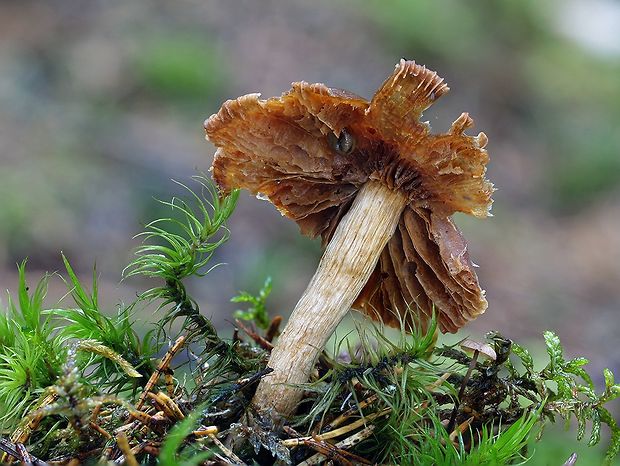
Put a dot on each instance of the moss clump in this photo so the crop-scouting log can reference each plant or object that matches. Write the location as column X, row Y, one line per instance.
column 76, row 384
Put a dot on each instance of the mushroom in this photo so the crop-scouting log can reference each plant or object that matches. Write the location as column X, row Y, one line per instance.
column 479, row 349
column 379, row 188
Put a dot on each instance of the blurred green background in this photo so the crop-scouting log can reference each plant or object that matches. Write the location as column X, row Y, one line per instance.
column 102, row 103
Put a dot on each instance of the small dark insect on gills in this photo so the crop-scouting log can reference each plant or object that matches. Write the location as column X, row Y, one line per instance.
column 343, row 144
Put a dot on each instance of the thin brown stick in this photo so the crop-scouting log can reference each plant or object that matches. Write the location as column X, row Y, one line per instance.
column 259, row 340
column 343, row 445
column 23, row 432
column 273, row 329
column 439, row 382
column 169, row 382
column 457, row 403
column 161, row 369
column 167, row 405
column 336, row 432
column 123, row 445
column 462, row 427
column 155, row 422
column 95, row 414
column 227, row 451
column 336, row 453
column 206, row 431
column 351, row 412
column 97, row 428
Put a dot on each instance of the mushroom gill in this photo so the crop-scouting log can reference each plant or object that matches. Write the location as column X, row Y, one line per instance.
column 279, row 148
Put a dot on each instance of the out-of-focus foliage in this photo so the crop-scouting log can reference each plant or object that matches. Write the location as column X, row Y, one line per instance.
column 181, row 70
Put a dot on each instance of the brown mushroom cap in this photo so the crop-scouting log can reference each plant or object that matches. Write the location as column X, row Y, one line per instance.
column 280, row 148
column 483, row 348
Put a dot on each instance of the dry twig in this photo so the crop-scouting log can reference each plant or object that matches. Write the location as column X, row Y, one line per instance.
column 161, row 369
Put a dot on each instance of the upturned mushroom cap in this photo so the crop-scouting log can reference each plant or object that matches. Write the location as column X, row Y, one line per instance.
column 483, row 348
column 310, row 150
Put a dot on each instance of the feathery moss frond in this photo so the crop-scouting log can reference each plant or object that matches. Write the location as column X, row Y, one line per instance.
column 175, row 256
column 200, row 229
column 172, row 257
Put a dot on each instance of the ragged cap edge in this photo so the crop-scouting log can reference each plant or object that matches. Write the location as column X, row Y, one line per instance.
column 430, row 86
column 229, row 110
column 430, row 81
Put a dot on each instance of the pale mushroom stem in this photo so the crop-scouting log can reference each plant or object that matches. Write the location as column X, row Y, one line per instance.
column 345, row 267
